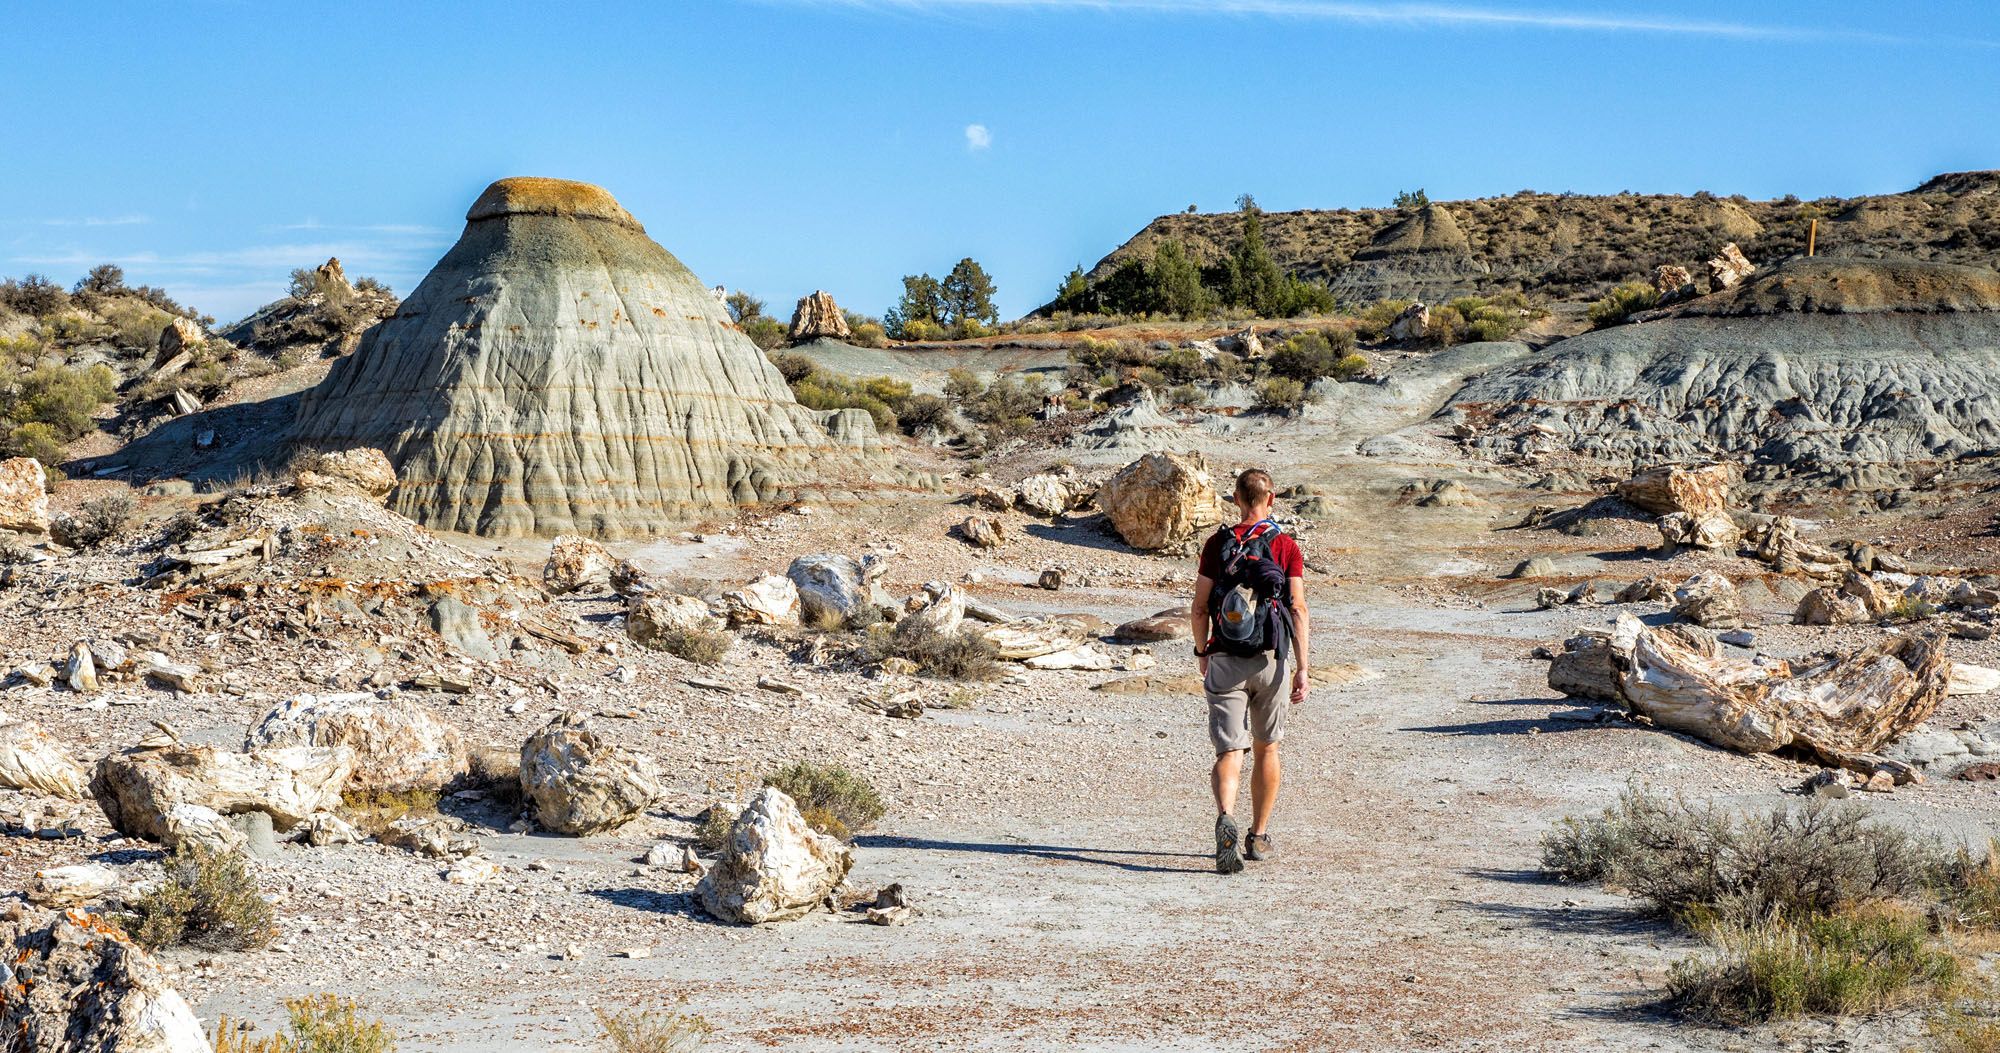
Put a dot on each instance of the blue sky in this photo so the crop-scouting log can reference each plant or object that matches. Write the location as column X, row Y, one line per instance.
column 787, row 145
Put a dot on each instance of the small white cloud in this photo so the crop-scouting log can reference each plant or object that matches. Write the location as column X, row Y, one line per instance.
column 978, row 137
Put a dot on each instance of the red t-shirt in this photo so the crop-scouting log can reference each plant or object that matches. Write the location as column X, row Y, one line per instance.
column 1283, row 549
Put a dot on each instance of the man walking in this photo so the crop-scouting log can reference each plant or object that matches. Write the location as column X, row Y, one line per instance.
column 1251, row 633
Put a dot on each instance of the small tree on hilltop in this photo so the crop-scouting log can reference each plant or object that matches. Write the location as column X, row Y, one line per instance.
column 743, row 307
column 921, row 310
column 1246, row 203
column 968, row 294
column 103, row 279
column 1411, row 200
column 1074, row 295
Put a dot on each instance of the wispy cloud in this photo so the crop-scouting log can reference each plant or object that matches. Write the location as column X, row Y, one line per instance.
column 130, row 220
column 1407, row 14
column 978, row 137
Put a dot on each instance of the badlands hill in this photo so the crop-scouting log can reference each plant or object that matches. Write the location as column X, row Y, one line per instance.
column 1865, row 372
column 1570, row 246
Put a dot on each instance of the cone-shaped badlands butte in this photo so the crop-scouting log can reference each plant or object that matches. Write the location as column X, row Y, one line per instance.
column 560, row 372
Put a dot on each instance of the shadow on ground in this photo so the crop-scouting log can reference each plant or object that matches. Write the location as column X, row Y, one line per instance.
column 1199, row 863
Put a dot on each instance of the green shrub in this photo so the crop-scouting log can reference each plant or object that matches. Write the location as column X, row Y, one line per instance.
column 1280, row 395
column 326, row 1024
column 793, row 366
column 918, row 329
column 1621, row 303
column 1845, row 964
column 869, row 334
column 1310, row 356
column 918, row 412
column 206, row 899
column 712, row 826
column 652, row 1031
column 700, row 646
column 834, row 800
column 766, row 333
column 949, row 656
column 1372, row 324
column 34, row 296
column 1701, row 864
column 1185, row 396
column 60, row 397
column 36, row 440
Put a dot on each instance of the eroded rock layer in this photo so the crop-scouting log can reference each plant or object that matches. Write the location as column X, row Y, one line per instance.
column 1856, row 370
column 560, row 372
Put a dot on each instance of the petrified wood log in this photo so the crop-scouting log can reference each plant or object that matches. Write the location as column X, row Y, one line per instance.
column 1837, row 708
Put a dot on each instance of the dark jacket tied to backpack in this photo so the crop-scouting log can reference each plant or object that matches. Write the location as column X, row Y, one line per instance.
column 1250, row 607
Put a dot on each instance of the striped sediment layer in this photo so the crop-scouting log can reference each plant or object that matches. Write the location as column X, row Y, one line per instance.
column 560, row 372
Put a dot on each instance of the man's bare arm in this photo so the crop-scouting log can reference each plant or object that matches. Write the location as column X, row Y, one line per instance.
column 1302, row 621
column 1198, row 614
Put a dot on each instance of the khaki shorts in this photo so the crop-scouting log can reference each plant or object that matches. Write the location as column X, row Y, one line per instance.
column 1247, row 700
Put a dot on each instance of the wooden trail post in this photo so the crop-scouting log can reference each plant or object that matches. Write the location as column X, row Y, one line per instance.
column 1812, row 237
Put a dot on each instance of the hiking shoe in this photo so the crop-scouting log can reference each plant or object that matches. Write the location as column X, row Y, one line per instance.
column 1259, row 846
column 1227, row 860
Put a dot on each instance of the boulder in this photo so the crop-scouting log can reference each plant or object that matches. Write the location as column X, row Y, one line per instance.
column 80, row 668
column 1875, row 599
column 1584, row 669
column 363, row 469
column 1829, row 606
column 941, row 609
column 31, row 760
column 1082, row 656
column 1170, row 624
column 991, row 498
column 982, row 531
column 1537, row 567
column 648, row 618
column 1646, row 590
column 71, row 886
column 182, row 336
column 576, row 782
column 1839, row 708
column 773, row 867
column 770, row 600
column 1780, row 545
column 398, row 746
column 1712, row 530
column 628, row 580
column 1710, row 601
column 24, row 496
column 576, row 564
column 1161, row 499
column 458, row 625
column 1413, row 324
column 1672, row 281
column 176, row 792
column 1728, row 267
column 1968, row 679
column 1032, row 638
column 817, row 317
column 1051, row 494
column 839, row 590
column 1244, row 343
column 1701, row 490
column 77, row 984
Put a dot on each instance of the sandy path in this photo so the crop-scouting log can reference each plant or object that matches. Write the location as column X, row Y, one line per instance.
column 1403, row 914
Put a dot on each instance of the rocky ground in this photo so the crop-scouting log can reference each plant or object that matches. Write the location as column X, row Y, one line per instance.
column 1053, row 836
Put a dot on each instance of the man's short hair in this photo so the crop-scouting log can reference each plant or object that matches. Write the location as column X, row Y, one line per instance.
column 1253, row 486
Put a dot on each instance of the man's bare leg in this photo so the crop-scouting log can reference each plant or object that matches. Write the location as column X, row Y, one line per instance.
column 1264, row 776
column 1222, row 779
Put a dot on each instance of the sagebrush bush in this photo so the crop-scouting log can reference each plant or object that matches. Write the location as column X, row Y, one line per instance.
column 1700, row 864
column 1854, row 962
column 1310, row 356
column 700, row 646
column 1372, row 323
column 1622, row 302
column 206, row 899
column 329, row 1024
column 659, row 1030
column 834, row 800
column 950, row 656
column 100, row 519
column 1280, row 395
